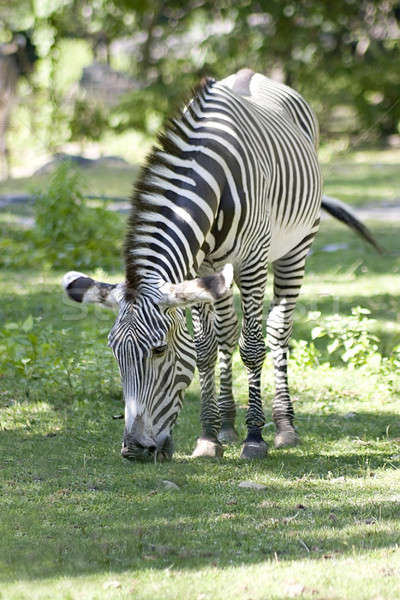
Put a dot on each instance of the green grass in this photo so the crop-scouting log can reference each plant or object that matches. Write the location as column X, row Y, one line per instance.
column 79, row 522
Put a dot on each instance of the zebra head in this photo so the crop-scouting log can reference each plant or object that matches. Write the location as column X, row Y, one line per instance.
column 154, row 351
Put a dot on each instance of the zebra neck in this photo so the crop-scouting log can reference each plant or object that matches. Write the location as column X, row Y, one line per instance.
column 171, row 227
column 177, row 196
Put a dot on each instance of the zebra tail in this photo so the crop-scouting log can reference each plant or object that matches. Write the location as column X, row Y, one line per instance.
column 342, row 212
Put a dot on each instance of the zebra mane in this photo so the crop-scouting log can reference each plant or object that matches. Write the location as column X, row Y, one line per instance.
column 144, row 188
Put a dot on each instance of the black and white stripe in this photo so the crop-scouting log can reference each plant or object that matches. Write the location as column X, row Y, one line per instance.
column 234, row 185
column 236, row 180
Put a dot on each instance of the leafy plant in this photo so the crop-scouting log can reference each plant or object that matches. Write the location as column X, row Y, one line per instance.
column 351, row 337
column 43, row 360
column 88, row 121
column 69, row 232
column 305, row 354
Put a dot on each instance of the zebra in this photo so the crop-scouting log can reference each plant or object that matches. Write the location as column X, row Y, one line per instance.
column 233, row 187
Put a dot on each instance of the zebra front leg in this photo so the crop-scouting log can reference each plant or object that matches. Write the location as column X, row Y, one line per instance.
column 288, row 278
column 252, row 352
column 207, row 351
column 227, row 329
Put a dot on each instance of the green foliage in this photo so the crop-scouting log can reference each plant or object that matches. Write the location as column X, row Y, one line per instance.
column 351, row 337
column 348, row 340
column 28, row 349
column 70, row 233
column 88, row 121
column 350, row 48
column 40, row 355
column 304, row 353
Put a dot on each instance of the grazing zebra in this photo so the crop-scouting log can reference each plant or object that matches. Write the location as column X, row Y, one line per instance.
column 234, row 186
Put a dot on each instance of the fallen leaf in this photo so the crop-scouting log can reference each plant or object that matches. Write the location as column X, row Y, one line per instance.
column 170, row 485
column 252, row 485
column 112, row 585
column 294, row 589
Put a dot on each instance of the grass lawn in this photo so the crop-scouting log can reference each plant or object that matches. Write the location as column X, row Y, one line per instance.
column 79, row 522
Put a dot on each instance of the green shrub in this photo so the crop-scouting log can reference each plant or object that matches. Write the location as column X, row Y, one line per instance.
column 304, row 353
column 88, row 121
column 351, row 337
column 70, row 233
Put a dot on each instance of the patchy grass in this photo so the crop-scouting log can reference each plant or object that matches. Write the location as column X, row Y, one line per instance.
column 79, row 522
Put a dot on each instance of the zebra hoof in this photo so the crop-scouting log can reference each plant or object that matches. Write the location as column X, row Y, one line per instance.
column 287, row 437
column 227, row 434
column 252, row 450
column 208, row 449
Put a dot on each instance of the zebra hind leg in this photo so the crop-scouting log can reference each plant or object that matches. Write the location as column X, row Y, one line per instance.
column 288, row 278
column 252, row 351
column 207, row 351
column 227, row 329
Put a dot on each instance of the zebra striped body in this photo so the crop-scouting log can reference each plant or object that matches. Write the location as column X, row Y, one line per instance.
column 236, row 181
column 233, row 187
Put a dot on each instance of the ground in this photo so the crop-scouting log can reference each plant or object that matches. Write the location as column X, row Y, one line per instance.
column 79, row 522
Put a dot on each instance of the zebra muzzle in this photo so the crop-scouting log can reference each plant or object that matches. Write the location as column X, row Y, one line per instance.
column 135, row 451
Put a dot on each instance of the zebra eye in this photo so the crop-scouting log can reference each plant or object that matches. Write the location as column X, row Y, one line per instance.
column 159, row 350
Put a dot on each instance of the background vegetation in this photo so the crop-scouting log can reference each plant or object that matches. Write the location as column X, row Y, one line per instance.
column 78, row 522
column 342, row 55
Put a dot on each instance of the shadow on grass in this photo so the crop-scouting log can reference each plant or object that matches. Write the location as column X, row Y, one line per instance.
column 72, row 506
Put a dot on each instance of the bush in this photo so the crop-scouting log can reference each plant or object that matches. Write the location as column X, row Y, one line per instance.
column 351, row 338
column 68, row 233
column 71, row 233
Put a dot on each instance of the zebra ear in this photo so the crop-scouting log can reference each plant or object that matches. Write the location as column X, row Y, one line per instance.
column 196, row 291
column 81, row 288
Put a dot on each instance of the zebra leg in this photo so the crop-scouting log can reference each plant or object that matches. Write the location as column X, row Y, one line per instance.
column 227, row 329
column 207, row 351
column 252, row 352
column 288, row 278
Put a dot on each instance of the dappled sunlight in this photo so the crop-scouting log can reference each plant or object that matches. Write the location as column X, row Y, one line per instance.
column 83, row 517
